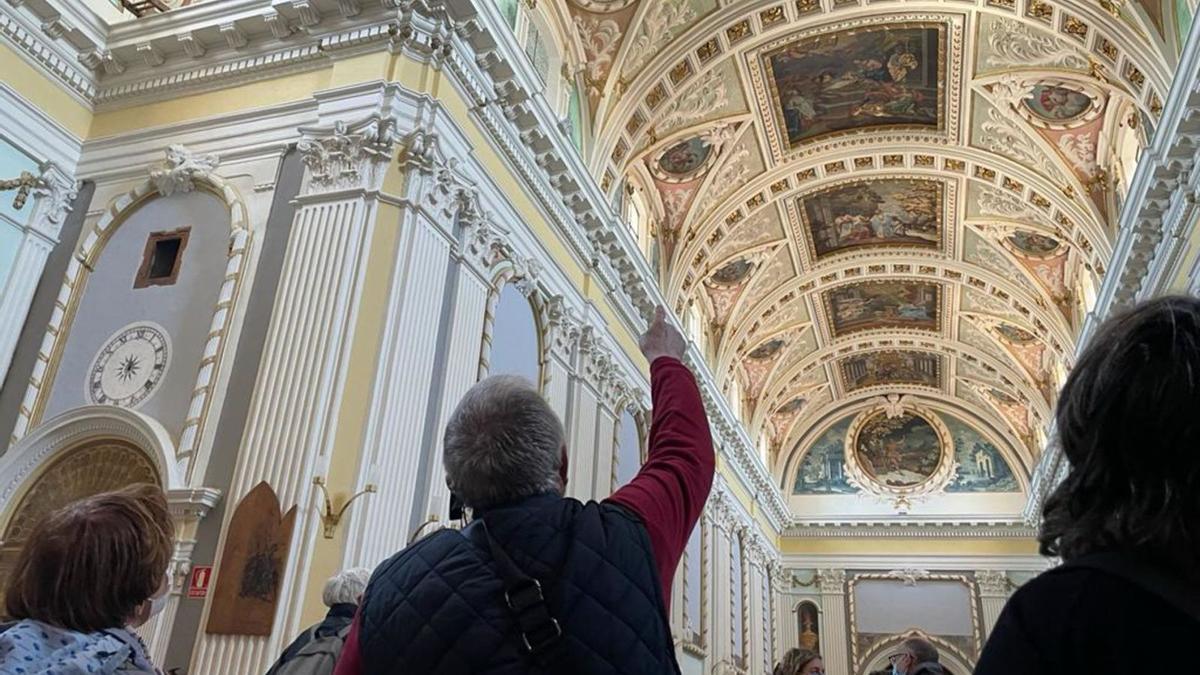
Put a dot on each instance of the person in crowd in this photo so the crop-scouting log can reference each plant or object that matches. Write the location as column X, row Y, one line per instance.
column 316, row 650
column 800, row 662
column 88, row 574
column 916, row 656
column 540, row 583
column 1126, row 519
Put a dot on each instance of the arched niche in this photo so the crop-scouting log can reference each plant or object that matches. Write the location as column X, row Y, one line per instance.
column 76, row 455
column 515, row 337
column 808, row 625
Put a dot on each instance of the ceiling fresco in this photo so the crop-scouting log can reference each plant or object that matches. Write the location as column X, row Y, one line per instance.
column 874, row 202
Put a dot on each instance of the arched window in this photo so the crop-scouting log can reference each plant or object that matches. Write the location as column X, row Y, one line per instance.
column 694, row 585
column 693, row 325
column 537, row 38
column 515, row 345
column 737, row 582
column 735, row 396
column 1128, row 147
column 509, row 9
column 628, row 450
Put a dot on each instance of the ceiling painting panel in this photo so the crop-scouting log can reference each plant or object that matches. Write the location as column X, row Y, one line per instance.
column 873, row 369
column 883, row 304
column 864, row 79
column 883, row 212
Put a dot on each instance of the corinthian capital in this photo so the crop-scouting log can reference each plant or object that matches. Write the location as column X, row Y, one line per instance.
column 346, row 156
column 56, row 192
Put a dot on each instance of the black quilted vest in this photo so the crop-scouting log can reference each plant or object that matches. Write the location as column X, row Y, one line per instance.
column 438, row 607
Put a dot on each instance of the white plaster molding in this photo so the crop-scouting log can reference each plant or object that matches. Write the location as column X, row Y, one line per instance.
column 26, row 126
column 347, row 155
column 80, row 424
column 994, row 583
column 182, row 169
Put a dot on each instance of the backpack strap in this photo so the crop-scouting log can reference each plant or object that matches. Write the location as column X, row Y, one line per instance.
column 1174, row 591
column 541, row 635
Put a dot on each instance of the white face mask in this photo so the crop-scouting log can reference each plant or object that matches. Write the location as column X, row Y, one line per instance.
column 157, row 604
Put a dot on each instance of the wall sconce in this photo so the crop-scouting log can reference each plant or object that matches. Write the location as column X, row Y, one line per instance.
column 330, row 518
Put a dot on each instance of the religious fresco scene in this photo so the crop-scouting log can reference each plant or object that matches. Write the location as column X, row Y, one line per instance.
column 858, row 79
column 898, row 451
column 890, row 304
column 253, row 253
column 876, row 213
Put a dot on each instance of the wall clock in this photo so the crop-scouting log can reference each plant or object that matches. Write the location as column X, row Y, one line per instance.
column 130, row 366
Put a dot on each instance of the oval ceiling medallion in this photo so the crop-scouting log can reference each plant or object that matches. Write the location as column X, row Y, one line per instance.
column 766, row 350
column 685, row 158
column 1033, row 244
column 899, row 454
column 1057, row 105
column 733, row 273
column 1015, row 335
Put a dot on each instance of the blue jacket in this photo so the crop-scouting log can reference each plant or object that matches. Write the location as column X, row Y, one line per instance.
column 438, row 606
column 31, row 647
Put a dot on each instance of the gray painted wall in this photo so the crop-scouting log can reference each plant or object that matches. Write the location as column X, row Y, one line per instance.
column 185, row 308
column 30, row 341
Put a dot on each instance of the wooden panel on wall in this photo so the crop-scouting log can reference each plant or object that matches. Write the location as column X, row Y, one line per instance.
column 251, row 565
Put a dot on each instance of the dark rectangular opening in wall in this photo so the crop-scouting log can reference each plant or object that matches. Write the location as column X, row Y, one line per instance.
column 162, row 258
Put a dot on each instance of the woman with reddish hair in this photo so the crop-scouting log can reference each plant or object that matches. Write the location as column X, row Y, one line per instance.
column 90, row 572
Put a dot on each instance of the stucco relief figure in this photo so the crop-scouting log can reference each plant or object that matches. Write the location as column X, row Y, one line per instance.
column 874, row 213
column 858, row 79
column 898, row 452
column 888, row 304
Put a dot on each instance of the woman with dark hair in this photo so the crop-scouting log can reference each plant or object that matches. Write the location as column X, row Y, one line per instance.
column 88, row 574
column 800, row 662
column 1126, row 520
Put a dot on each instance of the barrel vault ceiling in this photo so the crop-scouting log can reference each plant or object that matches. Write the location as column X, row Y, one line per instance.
column 874, row 199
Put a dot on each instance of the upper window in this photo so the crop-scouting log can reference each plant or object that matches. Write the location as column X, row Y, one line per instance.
column 514, row 341
column 629, row 449
column 162, row 258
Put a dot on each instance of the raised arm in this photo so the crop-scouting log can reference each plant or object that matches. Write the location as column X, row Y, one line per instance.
column 670, row 489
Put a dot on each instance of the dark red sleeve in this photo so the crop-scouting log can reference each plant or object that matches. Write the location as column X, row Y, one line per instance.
column 670, row 489
column 349, row 661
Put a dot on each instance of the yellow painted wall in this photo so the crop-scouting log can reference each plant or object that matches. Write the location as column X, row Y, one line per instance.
column 355, row 401
column 46, row 94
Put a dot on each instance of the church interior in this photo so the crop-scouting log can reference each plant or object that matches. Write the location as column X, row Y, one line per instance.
column 254, row 252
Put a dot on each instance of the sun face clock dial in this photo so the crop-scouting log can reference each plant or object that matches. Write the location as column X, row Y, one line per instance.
column 130, row 366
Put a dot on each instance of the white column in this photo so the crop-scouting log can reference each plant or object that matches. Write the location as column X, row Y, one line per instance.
column 298, row 388
column 720, row 645
column 994, row 588
column 606, row 446
column 835, row 638
column 52, row 201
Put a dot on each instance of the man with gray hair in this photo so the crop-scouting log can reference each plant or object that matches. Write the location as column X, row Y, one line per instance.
column 316, row 650
column 541, row 583
column 916, row 656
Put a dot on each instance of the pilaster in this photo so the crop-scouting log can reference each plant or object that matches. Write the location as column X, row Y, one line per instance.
column 994, row 587
column 835, row 639
column 53, row 198
column 299, row 383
